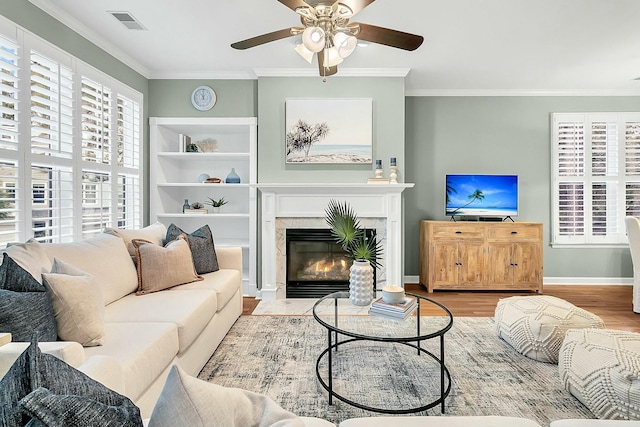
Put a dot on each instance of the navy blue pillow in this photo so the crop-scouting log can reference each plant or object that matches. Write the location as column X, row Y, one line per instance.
column 202, row 248
column 44, row 387
column 25, row 304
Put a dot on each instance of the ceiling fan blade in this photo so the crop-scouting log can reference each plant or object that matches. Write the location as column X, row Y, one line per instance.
column 356, row 5
column 293, row 4
column 389, row 37
column 262, row 39
column 322, row 70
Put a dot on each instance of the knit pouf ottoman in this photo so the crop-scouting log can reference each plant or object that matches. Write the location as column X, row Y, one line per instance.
column 601, row 368
column 535, row 325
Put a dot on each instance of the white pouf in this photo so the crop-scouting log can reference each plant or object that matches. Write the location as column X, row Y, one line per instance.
column 535, row 325
column 601, row 367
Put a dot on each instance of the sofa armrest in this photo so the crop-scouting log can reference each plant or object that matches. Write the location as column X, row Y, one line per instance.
column 106, row 370
column 68, row 351
column 230, row 258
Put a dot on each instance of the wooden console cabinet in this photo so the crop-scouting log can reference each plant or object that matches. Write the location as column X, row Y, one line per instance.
column 481, row 255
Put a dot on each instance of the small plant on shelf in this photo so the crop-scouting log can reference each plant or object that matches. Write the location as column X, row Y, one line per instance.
column 197, row 205
column 217, row 203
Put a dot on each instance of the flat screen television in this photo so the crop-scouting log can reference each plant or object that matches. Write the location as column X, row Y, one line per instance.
column 484, row 196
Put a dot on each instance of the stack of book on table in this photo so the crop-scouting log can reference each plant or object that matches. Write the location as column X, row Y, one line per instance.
column 394, row 311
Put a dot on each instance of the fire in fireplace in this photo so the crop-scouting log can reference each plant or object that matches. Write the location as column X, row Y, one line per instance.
column 316, row 264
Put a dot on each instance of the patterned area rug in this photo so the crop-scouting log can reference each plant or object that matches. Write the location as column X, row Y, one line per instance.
column 276, row 355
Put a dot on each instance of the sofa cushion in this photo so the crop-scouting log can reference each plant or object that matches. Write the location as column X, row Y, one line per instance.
column 188, row 401
column 105, row 257
column 77, row 304
column 201, row 245
column 153, row 233
column 163, row 267
column 143, row 350
column 25, row 305
column 226, row 283
column 189, row 310
column 30, row 256
column 34, row 369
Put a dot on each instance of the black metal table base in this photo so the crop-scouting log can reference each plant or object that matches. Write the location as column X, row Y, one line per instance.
column 328, row 385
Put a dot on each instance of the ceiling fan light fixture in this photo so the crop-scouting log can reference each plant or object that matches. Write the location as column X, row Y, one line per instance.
column 332, row 57
column 304, row 52
column 313, row 39
column 345, row 43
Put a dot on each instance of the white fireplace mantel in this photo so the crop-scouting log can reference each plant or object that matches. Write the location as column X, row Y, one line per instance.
column 309, row 200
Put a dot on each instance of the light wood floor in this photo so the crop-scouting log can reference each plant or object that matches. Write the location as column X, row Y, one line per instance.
column 611, row 303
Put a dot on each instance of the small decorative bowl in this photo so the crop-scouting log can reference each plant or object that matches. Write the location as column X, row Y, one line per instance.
column 392, row 294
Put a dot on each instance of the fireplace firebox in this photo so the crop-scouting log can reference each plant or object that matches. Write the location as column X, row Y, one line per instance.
column 315, row 264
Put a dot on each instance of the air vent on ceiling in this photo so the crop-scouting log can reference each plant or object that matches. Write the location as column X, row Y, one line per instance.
column 128, row 20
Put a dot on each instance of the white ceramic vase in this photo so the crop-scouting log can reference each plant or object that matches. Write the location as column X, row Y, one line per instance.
column 361, row 282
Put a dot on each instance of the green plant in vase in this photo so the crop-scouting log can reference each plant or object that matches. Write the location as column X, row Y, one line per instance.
column 216, row 204
column 345, row 228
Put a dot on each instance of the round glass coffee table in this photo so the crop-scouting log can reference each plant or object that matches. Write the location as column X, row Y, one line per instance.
column 348, row 325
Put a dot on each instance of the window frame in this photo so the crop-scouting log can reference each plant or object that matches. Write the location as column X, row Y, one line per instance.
column 615, row 181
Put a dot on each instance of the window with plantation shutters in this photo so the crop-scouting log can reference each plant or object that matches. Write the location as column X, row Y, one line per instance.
column 70, row 144
column 596, row 176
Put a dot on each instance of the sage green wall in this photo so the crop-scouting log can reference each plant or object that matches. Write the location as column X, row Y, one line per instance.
column 498, row 135
column 172, row 98
column 388, row 126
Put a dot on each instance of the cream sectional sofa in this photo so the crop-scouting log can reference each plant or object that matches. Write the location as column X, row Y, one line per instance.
column 144, row 334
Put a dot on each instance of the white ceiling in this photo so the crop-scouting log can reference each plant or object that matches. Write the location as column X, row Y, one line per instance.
column 471, row 47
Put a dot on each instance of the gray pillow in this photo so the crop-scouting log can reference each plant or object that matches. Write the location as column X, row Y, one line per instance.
column 34, row 369
column 25, row 305
column 202, row 248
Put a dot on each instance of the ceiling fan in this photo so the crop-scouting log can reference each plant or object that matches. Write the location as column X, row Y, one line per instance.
column 327, row 32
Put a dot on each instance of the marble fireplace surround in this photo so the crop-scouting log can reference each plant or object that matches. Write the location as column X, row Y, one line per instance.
column 302, row 205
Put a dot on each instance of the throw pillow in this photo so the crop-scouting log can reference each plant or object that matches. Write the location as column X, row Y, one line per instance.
column 153, row 233
column 77, row 302
column 30, row 256
column 54, row 410
column 34, row 369
column 188, row 401
column 25, row 305
column 163, row 267
column 201, row 245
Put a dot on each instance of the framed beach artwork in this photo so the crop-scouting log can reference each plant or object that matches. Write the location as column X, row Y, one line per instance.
column 329, row 130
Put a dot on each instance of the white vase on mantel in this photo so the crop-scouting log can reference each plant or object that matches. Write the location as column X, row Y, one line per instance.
column 361, row 282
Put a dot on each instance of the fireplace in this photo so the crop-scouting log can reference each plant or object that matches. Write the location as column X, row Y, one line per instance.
column 315, row 264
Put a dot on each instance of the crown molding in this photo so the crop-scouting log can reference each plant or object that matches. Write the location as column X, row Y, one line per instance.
column 91, row 36
column 205, row 75
column 522, row 92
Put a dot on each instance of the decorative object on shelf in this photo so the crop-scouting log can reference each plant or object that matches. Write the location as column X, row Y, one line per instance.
column 203, row 177
column 207, row 145
column 213, row 180
column 196, row 208
column 217, row 204
column 361, row 282
column 379, row 179
column 183, row 141
column 203, row 98
column 186, row 205
column 345, row 228
column 233, row 177
column 191, row 148
column 393, row 171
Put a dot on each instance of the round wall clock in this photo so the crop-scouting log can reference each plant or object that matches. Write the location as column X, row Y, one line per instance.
column 203, row 98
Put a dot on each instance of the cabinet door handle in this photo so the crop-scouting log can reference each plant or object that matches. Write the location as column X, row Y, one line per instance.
column 514, row 232
column 458, row 232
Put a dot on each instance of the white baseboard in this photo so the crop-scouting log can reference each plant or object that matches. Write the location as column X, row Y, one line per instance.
column 600, row 281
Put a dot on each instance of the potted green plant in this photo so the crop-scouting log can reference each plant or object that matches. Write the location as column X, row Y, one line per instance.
column 345, row 228
column 216, row 204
